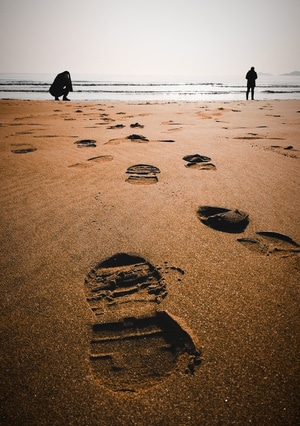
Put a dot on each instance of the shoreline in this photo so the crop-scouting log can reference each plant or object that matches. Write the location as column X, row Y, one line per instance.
column 200, row 88
column 240, row 97
column 68, row 203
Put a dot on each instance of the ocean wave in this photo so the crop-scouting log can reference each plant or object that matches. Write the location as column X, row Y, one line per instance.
column 281, row 91
column 35, row 86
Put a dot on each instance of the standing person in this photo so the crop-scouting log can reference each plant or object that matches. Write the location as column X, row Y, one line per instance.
column 61, row 86
column 251, row 76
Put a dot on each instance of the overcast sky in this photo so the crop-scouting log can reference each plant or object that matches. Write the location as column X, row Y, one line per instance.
column 150, row 37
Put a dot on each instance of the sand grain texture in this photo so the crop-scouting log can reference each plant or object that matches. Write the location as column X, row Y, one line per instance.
column 232, row 298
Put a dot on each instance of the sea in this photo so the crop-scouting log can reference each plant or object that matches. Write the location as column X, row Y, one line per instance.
column 96, row 87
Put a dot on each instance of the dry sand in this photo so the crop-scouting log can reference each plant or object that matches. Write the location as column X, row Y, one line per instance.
column 234, row 296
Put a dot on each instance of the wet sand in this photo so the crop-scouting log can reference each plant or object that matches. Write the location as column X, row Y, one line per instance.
column 142, row 288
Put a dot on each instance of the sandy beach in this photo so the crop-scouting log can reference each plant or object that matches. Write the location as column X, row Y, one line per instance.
column 142, row 288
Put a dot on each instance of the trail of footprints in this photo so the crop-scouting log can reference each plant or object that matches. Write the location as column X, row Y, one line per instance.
column 135, row 342
column 236, row 221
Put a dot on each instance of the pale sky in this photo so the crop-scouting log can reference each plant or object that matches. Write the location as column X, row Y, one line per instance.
column 149, row 37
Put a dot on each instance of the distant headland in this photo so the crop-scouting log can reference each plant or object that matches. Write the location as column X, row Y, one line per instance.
column 292, row 74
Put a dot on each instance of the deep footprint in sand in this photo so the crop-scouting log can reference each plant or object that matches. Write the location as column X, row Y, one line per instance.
column 86, row 143
column 117, row 126
column 222, row 219
column 143, row 174
column 199, row 162
column 196, row 158
column 270, row 243
column 23, row 150
column 138, row 138
column 201, row 166
column 288, row 151
column 135, row 343
column 135, row 125
column 101, row 158
column 133, row 138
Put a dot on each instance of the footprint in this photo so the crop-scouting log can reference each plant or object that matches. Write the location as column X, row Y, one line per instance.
column 101, row 158
column 79, row 165
column 88, row 143
column 199, row 162
column 271, row 243
column 98, row 159
column 251, row 137
column 25, row 132
column 170, row 123
column 133, row 138
column 116, row 126
column 286, row 148
column 201, row 166
column 196, row 158
column 143, row 174
column 138, row 138
column 135, row 343
column 134, row 125
column 288, row 151
column 175, row 129
column 46, row 136
column 23, row 150
column 221, row 219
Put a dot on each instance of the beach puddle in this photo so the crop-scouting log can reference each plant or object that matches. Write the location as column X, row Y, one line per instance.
column 135, row 342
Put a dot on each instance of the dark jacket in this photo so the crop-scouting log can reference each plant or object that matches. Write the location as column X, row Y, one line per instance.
column 251, row 76
column 62, row 81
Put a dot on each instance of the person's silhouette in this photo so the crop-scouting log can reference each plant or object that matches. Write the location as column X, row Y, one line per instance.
column 61, row 86
column 251, row 76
